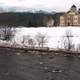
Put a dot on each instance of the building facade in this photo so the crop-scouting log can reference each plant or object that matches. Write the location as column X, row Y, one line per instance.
column 48, row 21
column 71, row 18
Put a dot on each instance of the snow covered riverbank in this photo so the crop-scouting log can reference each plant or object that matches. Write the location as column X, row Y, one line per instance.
column 54, row 35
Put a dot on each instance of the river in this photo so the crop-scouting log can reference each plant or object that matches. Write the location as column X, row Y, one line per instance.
column 27, row 66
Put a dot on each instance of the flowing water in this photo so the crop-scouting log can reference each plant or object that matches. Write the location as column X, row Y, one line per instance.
column 27, row 66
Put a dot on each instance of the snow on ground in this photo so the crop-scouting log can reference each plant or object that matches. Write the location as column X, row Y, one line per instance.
column 55, row 34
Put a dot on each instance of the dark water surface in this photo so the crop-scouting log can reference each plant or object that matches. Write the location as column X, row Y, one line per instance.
column 25, row 66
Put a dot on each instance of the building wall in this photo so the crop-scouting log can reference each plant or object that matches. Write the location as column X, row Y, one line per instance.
column 50, row 23
column 71, row 18
column 62, row 21
column 75, row 20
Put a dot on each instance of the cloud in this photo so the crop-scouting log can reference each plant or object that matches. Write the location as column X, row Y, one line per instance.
column 57, row 5
column 20, row 0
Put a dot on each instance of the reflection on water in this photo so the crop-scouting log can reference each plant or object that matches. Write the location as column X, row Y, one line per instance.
column 27, row 67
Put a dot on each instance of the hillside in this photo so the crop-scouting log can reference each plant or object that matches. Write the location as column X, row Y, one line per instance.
column 23, row 18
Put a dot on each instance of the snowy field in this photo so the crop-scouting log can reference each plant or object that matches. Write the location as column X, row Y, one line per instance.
column 54, row 35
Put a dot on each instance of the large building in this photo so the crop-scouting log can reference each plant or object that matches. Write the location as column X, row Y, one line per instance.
column 48, row 21
column 70, row 18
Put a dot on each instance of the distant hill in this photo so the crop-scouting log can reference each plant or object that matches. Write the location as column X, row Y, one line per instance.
column 27, row 19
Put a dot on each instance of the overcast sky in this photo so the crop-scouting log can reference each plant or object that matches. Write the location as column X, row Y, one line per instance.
column 51, row 5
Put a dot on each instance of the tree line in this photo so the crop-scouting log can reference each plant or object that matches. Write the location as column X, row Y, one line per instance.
column 27, row 19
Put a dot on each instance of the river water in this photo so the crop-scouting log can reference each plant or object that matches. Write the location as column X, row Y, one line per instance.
column 27, row 66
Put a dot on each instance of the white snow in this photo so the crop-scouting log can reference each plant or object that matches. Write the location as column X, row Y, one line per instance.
column 55, row 34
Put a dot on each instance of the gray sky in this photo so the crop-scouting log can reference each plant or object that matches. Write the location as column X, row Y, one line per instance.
column 51, row 5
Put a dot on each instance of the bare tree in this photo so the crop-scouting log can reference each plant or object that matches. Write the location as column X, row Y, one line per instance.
column 41, row 39
column 7, row 33
column 67, row 40
column 28, row 40
column 31, row 42
column 24, row 37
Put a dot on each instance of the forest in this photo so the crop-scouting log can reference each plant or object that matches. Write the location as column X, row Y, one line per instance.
column 27, row 19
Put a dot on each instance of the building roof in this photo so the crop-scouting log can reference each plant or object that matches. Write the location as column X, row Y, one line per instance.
column 73, row 6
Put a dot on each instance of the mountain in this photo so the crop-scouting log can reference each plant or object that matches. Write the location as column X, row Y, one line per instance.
column 22, row 9
column 45, row 12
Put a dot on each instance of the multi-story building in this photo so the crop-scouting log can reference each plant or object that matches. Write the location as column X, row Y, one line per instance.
column 70, row 18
